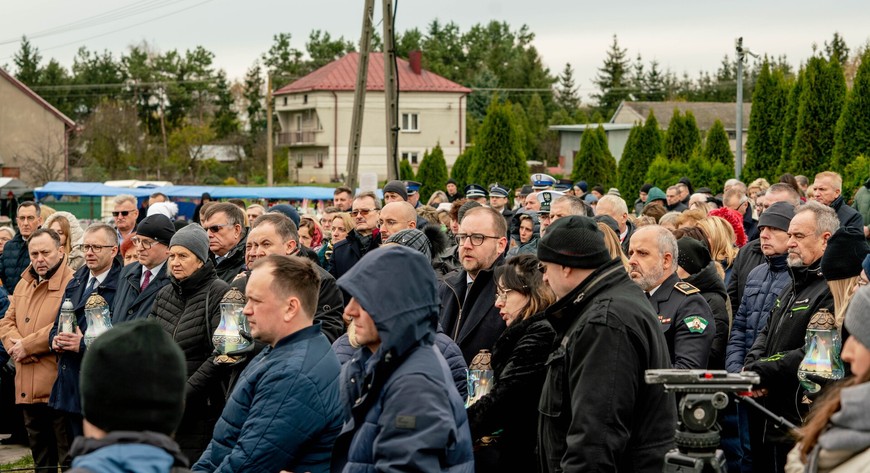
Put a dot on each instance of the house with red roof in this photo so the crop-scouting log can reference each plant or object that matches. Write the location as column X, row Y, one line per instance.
column 34, row 136
column 315, row 117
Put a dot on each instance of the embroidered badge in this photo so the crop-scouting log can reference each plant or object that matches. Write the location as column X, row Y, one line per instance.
column 696, row 324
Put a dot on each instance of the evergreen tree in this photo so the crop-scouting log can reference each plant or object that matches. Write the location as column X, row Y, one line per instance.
column 536, row 117
column 590, row 162
column 682, row 137
column 717, row 148
column 852, row 136
column 820, row 105
column 613, row 80
column 527, row 140
column 656, row 83
column 766, row 121
column 253, row 93
column 26, row 61
column 406, row 171
column 226, row 119
column 459, row 171
column 663, row 172
column 498, row 155
column 644, row 144
column 432, row 172
column 789, row 124
column 705, row 172
column 837, row 49
column 608, row 170
column 566, row 91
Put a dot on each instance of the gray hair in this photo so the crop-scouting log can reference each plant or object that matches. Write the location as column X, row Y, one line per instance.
column 370, row 195
column 111, row 233
column 576, row 205
column 826, row 217
column 614, row 202
column 781, row 188
column 121, row 198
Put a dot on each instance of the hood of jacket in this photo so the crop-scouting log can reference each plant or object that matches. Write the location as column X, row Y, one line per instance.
column 397, row 287
column 850, row 426
column 122, row 452
column 708, row 280
column 515, row 223
column 77, row 234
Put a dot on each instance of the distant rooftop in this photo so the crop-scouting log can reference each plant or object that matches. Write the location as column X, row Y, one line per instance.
column 705, row 113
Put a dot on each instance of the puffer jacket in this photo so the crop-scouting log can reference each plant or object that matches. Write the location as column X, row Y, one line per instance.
column 403, row 412
column 763, row 286
column 519, row 364
column 65, row 395
column 13, row 262
column 451, row 352
column 76, row 237
column 30, row 317
column 779, row 348
column 748, row 258
column 180, row 308
column 284, row 413
column 234, row 263
column 127, row 452
column 713, row 291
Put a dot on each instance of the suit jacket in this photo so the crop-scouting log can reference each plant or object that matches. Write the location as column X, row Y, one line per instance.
column 130, row 303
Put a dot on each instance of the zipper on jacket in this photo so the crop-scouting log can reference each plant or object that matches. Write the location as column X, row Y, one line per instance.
column 459, row 314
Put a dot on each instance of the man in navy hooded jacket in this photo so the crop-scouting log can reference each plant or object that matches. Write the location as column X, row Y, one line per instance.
column 403, row 412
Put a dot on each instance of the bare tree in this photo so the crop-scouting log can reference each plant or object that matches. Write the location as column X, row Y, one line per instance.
column 42, row 160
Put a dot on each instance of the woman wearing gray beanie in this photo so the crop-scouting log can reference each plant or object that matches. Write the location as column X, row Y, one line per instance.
column 188, row 310
column 836, row 435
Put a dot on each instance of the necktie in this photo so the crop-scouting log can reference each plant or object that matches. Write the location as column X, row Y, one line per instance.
column 648, row 295
column 92, row 284
column 146, row 280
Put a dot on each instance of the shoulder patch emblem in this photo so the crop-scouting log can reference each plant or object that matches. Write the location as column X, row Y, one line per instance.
column 696, row 324
column 686, row 288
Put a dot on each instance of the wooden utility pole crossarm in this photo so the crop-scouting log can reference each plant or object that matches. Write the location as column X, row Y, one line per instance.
column 359, row 97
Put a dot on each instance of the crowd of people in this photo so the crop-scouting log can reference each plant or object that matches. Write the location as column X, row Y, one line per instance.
column 365, row 320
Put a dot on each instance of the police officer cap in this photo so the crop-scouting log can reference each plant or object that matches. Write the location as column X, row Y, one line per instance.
column 473, row 191
column 542, row 181
column 498, row 190
column 546, row 198
column 412, row 187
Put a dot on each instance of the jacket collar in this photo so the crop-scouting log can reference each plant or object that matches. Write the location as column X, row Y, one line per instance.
column 708, row 280
column 562, row 311
column 803, row 276
column 837, row 203
column 85, row 445
column 664, row 291
column 57, row 280
column 777, row 263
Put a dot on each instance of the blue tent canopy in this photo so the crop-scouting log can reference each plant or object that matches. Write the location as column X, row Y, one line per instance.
column 97, row 189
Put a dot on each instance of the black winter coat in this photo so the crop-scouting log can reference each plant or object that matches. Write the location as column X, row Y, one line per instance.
column 233, row 264
column 749, row 257
column 349, row 251
column 597, row 413
column 779, row 348
column 13, row 262
column 848, row 216
column 519, row 364
column 471, row 320
column 180, row 308
column 713, row 291
column 131, row 303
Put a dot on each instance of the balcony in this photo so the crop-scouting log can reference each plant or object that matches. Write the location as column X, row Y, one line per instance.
column 298, row 138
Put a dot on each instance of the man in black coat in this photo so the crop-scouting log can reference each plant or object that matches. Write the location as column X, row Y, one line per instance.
column 140, row 281
column 364, row 237
column 225, row 224
column 779, row 348
column 15, row 257
column 468, row 312
column 596, row 411
column 685, row 317
column 99, row 275
column 827, row 189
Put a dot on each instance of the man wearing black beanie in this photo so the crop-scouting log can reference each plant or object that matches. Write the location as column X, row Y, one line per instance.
column 141, row 281
column 611, row 420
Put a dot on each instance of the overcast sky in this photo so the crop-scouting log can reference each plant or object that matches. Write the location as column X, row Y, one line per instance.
column 682, row 35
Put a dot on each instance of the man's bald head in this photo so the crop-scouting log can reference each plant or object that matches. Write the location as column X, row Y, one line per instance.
column 397, row 216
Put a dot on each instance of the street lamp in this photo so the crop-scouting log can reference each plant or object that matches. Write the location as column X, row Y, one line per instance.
column 741, row 56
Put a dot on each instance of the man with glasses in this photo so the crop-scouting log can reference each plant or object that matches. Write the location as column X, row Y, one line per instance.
column 736, row 199
column 99, row 275
column 125, row 214
column 225, row 224
column 140, row 281
column 396, row 216
column 364, row 237
column 15, row 258
column 468, row 312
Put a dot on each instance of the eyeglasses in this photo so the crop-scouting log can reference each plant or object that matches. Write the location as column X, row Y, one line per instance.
column 363, row 212
column 501, row 294
column 388, row 222
column 122, row 213
column 216, row 228
column 477, row 239
column 26, row 218
column 144, row 244
column 95, row 248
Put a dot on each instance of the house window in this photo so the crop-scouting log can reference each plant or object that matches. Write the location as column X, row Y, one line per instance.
column 299, row 122
column 410, row 156
column 305, row 98
column 285, row 100
column 318, row 163
column 410, row 122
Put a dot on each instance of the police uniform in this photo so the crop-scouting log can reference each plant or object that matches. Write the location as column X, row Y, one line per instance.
column 499, row 190
column 687, row 322
column 475, row 191
column 542, row 181
column 412, row 187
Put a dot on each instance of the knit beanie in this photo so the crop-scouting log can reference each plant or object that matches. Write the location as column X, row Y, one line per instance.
column 287, row 210
column 734, row 219
column 194, row 238
column 397, row 187
column 857, row 322
column 133, row 377
column 574, row 241
column 414, row 239
column 156, row 227
column 777, row 216
column 693, row 255
column 646, row 188
column 844, row 256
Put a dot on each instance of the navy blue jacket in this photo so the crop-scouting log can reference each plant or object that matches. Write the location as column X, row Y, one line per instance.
column 132, row 304
column 65, row 394
column 404, row 412
column 284, row 413
column 763, row 286
column 451, row 352
column 13, row 262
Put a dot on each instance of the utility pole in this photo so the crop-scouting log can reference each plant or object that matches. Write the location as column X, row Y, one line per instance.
column 390, row 93
column 270, row 158
column 359, row 96
column 741, row 57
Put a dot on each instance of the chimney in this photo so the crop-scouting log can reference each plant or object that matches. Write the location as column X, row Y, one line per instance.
column 416, row 59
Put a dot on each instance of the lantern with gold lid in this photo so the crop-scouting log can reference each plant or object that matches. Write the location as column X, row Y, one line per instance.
column 479, row 375
column 227, row 338
column 822, row 350
column 98, row 317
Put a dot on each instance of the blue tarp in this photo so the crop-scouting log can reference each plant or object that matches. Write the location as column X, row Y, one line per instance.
column 97, row 189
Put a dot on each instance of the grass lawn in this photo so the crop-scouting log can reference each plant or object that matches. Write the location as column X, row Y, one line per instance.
column 19, row 465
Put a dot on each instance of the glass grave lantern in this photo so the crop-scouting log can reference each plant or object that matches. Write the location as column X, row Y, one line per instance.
column 822, row 348
column 479, row 376
column 67, row 320
column 98, row 316
column 227, row 338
